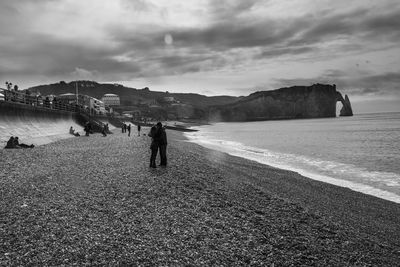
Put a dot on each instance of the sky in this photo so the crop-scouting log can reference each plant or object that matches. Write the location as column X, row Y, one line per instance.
column 226, row 47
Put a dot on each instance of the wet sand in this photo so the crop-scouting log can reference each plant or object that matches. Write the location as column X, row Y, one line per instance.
column 94, row 200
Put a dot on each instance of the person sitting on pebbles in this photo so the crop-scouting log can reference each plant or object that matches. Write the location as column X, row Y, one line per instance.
column 72, row 131
column 13, row 142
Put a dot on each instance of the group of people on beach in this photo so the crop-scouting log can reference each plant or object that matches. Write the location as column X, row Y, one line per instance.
column 158, row 143
column 157, row 134
column 13, row 142
column 127, row 128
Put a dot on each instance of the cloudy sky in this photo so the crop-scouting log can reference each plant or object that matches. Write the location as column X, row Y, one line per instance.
column 206, row 46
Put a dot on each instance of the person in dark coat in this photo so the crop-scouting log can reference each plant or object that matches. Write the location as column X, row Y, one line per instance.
column 138, row 129
column 129, row 130
column 13, row 142
column 155, row 136
column 162, row 145
column 104, row 130
column 88, row 128
column 10, row 143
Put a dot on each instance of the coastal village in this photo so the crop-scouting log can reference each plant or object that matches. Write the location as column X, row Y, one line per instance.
column 143, row 109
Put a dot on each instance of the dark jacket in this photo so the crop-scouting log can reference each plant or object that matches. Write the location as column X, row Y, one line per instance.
column 163, row 137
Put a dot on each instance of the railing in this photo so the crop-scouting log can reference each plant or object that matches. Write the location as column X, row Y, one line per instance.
column 38, row 101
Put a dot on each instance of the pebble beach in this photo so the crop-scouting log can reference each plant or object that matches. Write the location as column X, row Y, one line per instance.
column 95, row 201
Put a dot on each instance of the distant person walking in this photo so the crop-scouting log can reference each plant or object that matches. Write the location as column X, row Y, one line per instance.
column 138, row 128
column 129, row 129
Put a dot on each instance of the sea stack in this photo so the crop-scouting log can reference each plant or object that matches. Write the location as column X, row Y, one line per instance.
column 346, row 109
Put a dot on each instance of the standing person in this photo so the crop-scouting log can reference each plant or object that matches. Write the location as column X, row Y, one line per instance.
column 154, row 134
column 138, row 128
column 88, row 128
column 129, row 129
column 104, row 130
column 162, row 144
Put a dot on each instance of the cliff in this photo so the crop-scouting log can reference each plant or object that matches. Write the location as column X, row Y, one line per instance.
column 316, row 101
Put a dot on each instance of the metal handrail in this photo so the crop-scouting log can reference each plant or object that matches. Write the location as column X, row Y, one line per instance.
column 38, row 101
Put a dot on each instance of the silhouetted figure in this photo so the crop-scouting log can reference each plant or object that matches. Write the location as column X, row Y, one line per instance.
column 162, row 145
column 72, row 131
column 88, row 128
column 10, row 143
column 154, row 134
column 13, row 142
column 129, row 129
column 104, row 131
column 138, row 129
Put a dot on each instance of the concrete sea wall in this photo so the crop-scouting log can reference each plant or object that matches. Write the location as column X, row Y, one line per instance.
column 35, row 125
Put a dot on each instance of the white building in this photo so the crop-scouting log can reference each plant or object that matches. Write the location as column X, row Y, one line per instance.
column 98, row 106
column 111, row 100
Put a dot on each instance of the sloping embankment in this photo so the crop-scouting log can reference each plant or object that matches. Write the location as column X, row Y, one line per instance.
column 34, row 125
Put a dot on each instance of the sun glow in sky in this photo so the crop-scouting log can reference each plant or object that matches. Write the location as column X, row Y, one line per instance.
column 209, row 47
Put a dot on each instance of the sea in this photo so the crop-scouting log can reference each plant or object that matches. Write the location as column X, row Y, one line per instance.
column 361, row 152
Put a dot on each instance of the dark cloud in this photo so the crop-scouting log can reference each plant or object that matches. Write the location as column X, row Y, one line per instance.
column 276, row 52
column 386, row 83
column 360, row 23
column 228, row 10
column 46, row 55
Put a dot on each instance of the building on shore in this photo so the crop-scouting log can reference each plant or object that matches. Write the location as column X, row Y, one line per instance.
column 90, row 104
column 111, row 100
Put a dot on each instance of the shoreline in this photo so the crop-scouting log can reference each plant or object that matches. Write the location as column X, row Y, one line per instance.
column 300, row 188
column 357, row 187
column 95, row 201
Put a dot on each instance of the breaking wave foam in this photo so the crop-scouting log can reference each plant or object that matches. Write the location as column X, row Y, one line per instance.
column 346, row 175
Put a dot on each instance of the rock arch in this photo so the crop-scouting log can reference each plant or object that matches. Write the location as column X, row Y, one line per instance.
column 346, row 110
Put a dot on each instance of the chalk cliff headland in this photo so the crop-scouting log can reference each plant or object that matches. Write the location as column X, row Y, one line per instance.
column 315, row 101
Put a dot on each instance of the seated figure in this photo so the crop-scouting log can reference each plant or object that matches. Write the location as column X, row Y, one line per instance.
column 72, row 131
column 13, row 142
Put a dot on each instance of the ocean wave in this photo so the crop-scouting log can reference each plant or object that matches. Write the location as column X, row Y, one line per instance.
column 385, row 185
